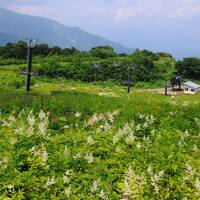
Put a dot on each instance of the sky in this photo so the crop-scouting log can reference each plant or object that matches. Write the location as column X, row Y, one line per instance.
column 157, row 25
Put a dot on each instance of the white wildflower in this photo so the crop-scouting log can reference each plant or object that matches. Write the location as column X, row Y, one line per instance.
column 18, row 131
column 110, row 116
column 13, row 141
column 31, row 119
column 20, row 114
column 66, row 127
column 33, row 150
column 156, row 179
column 12, row 118
column 77, row 156
column 42, row 115
column 4, row 163
column 133, row 185
column 185, row 104
column 42, row 128
column 43, row 154
column 190, row 171
column 186, row 133
column 138, row 127
column 195, row 148
column 90, row 140
column 103, row 196
column 66, row 151
column 93, row 120
column 197, row 184
column 118, row 149
column 127, row 191
column 30, row 131
column 94, row 188
column 149, row 170
column 116, row 138
column 10, row 189
column 68, row 191
column 130, row 173
column 130, row 139
column 78, row 114
column 141, row 116
column 6, row 123
column 89, row 158
column 146, row 139
column 50, row 181
column 172, row 113
column 138, row 146
column 66, row 177
column 106, row 127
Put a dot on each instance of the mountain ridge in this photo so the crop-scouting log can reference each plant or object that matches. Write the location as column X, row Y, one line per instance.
column 49, row 31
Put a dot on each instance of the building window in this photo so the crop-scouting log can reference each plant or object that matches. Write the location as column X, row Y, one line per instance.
column 192, row 90
column 186, row 89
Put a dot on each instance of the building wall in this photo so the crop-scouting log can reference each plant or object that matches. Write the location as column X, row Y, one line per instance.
column 188, row 90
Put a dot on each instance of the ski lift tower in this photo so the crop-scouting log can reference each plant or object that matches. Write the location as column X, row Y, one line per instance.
column 129, row 82
column 115, row 65
column 30, row 46
column 96, row 67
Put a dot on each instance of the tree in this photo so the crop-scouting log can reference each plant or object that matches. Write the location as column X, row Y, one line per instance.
column 41, row 50
column 189, row 68
column 103, row 52
column 55, row 50
column 70, row 51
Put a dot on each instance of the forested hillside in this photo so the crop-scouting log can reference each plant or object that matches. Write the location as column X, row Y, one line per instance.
column 100, row 63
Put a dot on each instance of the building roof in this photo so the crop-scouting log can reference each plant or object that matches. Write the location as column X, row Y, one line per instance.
column 192, row 85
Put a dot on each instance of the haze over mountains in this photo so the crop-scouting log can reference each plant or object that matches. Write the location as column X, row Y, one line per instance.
column 15, row 26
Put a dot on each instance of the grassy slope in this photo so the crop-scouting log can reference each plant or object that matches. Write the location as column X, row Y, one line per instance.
column 164, row 158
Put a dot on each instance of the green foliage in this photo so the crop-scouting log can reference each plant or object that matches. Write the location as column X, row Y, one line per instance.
column 10, row 61
column 70, row 63
column 17, row 50
column 189, row 68
column 12, row 82
column 144, row 69
column 103, row 52
column 140, row 146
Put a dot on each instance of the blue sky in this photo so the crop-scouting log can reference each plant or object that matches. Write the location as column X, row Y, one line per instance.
column 159, row 25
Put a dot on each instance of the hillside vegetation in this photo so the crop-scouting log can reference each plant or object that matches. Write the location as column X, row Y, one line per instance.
column 73, row 140
column 100, row 64
column 79, row 135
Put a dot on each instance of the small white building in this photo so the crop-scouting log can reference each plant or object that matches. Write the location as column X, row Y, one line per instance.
column 191, row 88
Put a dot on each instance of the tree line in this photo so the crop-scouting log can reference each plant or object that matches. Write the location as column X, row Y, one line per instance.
column 72, row 63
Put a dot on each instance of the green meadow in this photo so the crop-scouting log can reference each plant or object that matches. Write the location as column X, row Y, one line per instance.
column 74, row 140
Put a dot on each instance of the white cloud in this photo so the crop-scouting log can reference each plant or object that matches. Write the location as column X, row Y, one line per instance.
column 114, row 10
column 164, row 9
column 31, row 9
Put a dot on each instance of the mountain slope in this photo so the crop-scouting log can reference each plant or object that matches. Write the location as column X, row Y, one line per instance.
column 16, row 26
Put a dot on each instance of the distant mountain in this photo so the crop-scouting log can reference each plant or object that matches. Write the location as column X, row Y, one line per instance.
column 15, row 26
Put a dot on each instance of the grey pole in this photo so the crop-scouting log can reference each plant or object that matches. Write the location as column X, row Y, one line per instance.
column 129, row 77
column 96, row 67
column 29, row 68
column 115, row 69
column 28, row 73
column 166, row 89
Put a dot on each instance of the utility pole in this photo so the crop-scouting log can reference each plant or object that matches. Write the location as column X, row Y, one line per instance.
column 115, row 65
column 166, row 89
column 96, row 67
column 129, row 82
column 30, row 45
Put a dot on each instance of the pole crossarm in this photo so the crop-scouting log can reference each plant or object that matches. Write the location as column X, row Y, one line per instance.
column 29, row 73
column 129, row 82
